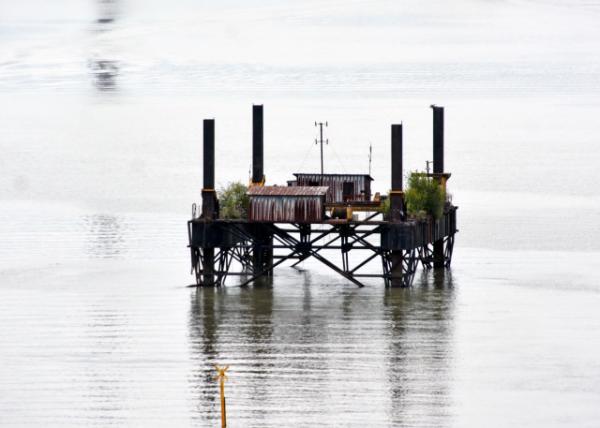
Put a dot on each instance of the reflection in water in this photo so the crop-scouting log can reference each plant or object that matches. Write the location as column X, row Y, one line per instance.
column 419, row 358
column 306, row 353
column 104, row 69
column 107, row 11
column 256, row 310
column 231, row 328
column 105, row 236
column 203, row 326
column 105, row 74
column 256, row 305
column 106, row 341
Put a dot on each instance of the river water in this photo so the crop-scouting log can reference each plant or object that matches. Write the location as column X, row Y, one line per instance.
column 100, row 142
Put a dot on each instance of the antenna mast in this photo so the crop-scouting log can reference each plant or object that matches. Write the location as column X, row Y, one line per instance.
column 321, row 141
column 370, row 155
column 427, row 163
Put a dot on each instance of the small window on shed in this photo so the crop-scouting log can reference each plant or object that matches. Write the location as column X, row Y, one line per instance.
column 348, row 191
column 313, row 183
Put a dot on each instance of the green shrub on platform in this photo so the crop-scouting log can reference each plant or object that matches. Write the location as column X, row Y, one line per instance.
column 234, row 201
column 385, row 207
column 424, row 196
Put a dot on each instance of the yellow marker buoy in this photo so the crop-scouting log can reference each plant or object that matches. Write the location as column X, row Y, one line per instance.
column 221, row 377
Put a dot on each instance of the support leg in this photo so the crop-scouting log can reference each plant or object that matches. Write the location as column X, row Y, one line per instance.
column 426, row 256
column 203, row 265
column 396, row 268
column 448, row 249
column 399, row 267
column 442, row 252
column 438, row 254
column 208, row 278
column 262, row 253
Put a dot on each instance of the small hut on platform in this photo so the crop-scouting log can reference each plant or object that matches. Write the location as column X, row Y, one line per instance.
column 343, row 188
column 298, row 204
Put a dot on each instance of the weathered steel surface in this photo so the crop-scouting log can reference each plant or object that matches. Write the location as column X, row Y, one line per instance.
column 433, row 231
column 397, row 157
column 301, row 204
column 401, row 246
column 335, row 182
column 287, row 191
column 398, row 260
column 438, row 139
column 438, row 168
column 209, row 200
column 209, row 153
column 413, row 234
column 394, row 236
column 396, row 196
column 213, row 234
column 296, row 209
column 257, row 144
column 401, row 236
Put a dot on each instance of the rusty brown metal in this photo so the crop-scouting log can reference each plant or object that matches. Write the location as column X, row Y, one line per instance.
column 287, row 191
column 361, row 184
column 287, row 204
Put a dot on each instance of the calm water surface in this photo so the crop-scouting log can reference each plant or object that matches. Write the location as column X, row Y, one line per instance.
column 98, row 326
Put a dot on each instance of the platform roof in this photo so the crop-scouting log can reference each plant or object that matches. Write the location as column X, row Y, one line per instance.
column 296, row 174
column 287, row 191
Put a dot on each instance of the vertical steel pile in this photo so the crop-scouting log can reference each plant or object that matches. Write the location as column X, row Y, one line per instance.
column 209, row 199
column 262, row 248
column 397, row 213
column 438, row 168
column 257, row 145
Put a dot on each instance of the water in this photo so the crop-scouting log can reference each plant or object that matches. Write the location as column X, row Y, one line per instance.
column 99, row 173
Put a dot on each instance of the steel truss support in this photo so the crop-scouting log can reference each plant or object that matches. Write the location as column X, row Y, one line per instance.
column 262, row 255
column 399, row 267
column 302, row 248
column 426, row 253
column 256, row 243
column 204, row 262
column 448, row 249
column 243, row 255
column 426, row 256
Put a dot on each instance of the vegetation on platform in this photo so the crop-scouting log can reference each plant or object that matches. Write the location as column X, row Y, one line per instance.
column 424, row 196
column 234, row 201
column 385, row 207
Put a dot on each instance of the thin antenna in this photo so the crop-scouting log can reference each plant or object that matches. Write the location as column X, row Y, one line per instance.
column 370, row 156
column 427, row 163
column 321, row 141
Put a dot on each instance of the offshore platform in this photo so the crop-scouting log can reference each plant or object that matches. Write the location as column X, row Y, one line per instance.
column 314, row 214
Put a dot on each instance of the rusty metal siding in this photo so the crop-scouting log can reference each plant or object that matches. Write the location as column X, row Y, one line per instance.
column 283, row 209
column 287, row 191
column 335, row 182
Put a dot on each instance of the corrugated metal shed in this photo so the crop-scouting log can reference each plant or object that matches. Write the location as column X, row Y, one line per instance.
column 287, row 191
column 342, row 187
column 298, row 204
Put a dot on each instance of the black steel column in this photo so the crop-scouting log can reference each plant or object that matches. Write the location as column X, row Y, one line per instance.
column 257, row 144
column 208, row 189
column 438, row 139
column 262, row 249
column 209, row 200
column 396, row 195
column 438, row 168
column 397, row 203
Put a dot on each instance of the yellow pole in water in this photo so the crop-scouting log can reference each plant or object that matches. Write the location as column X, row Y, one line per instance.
column 221, row 377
